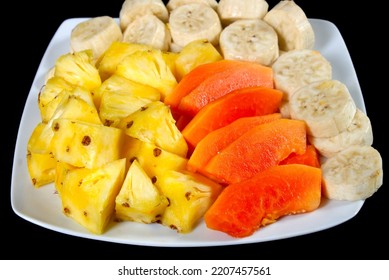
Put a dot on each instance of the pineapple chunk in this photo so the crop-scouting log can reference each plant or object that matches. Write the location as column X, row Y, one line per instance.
column 155, row 124
column 115, row 53
column 85, row 144
column 148, row 68
column 41, row 168
column 40, row 139
column 190, row 195
column 81, row 93
column 73, row 107
column 170, row 59
column 121, row 97
column 53, row 87
column 61, row 169
column 139, row 200
column 88, row 195
column 194, row 54
column 78, row 69
column 154, row 160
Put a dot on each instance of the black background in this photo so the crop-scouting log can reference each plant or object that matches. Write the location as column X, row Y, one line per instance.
column 26, row 34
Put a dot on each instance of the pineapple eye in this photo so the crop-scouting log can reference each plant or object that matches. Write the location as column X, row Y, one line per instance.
column 125, row 204
column 56, row 127
column 157, row 152
column 86, row 140
column 108, row 122
column 129, row 124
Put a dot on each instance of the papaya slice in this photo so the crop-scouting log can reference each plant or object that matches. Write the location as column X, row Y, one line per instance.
column 216, row 73
column 218, row 139
column 245, row 102
column 234, row 75
column 244, row 207
column 194, row 78
column 259, row 148
column 310, row 157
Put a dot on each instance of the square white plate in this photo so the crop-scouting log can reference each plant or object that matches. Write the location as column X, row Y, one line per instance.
column 43, row 207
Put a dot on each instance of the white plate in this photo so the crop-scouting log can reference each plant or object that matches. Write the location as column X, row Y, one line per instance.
column 42, row 206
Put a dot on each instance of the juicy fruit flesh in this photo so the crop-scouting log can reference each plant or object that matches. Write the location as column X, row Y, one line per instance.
column 244, row 207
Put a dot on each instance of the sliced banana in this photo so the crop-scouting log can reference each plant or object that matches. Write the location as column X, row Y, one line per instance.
column 131, row 9
column 326, row 106
column 352, row 174
column 173, row 4
column 358, row 133
column 232, row 10
column 292, row 25
column 194, row 21
column 148, row 30
column 297, row 68
column 249, row 40
column 97, row 34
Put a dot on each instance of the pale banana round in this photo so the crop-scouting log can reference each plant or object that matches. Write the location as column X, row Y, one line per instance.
column 359, row 132
column 233, row 10
column 249, row 40
column 326, row 107
column 297, row 68
column 97, row 34
column 194, row 21
column 131, row 9
column 292, row 25
column 173, row 4
column 353, row 174
column 148, row 30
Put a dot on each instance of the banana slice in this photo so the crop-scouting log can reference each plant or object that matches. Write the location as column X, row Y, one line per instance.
column 297, row 68
column 353, row 174
column 173, row 4
column 131, row 9
column 233, row 10
column 250, row 40
column 97, row 34
column 326, row 106
column 292, row 25
column 194, row 21
column 358, row 133
column 148, row 30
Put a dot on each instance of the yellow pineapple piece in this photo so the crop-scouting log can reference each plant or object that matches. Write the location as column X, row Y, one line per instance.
column 53, row 87
column 148, row 68
column 88, row 195
column 78, row 92
column 61, row 169
column 155, row 124
column 194, row 54
column 139, row 200
column 115, row 53
column 121, row 97
column 78, row 69
column 41, row 168
column 85, row 144
column 154, row 160
column 40, row 139
column 170, row 59
column 190, row 195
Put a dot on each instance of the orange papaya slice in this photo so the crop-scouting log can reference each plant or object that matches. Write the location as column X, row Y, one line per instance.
column 245, row 102
column 235, row 75
column 195, row 77
column 218, row 139
column 310, row 157
column 244, row 207
column 259, row 148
